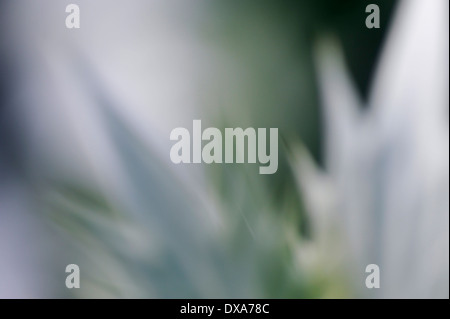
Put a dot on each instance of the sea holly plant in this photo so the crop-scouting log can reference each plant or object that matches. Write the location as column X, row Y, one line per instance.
column 385, row 186
column 382, row 197
column 161, row 239
column 166, row 235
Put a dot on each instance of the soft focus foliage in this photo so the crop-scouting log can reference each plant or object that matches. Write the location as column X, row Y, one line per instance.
column 86, row 178
column 387, row 183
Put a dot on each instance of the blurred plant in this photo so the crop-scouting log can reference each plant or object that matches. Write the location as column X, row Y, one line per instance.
column 385, row 188
column 138, row 226
column 166, row 236
column 383, row 198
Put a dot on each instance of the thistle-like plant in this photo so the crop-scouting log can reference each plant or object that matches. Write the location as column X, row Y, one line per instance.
column 385, row 187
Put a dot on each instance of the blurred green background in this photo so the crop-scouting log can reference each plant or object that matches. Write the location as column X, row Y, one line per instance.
column 85, row 176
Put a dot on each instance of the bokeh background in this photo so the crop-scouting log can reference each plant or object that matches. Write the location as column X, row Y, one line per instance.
column 86, row 177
